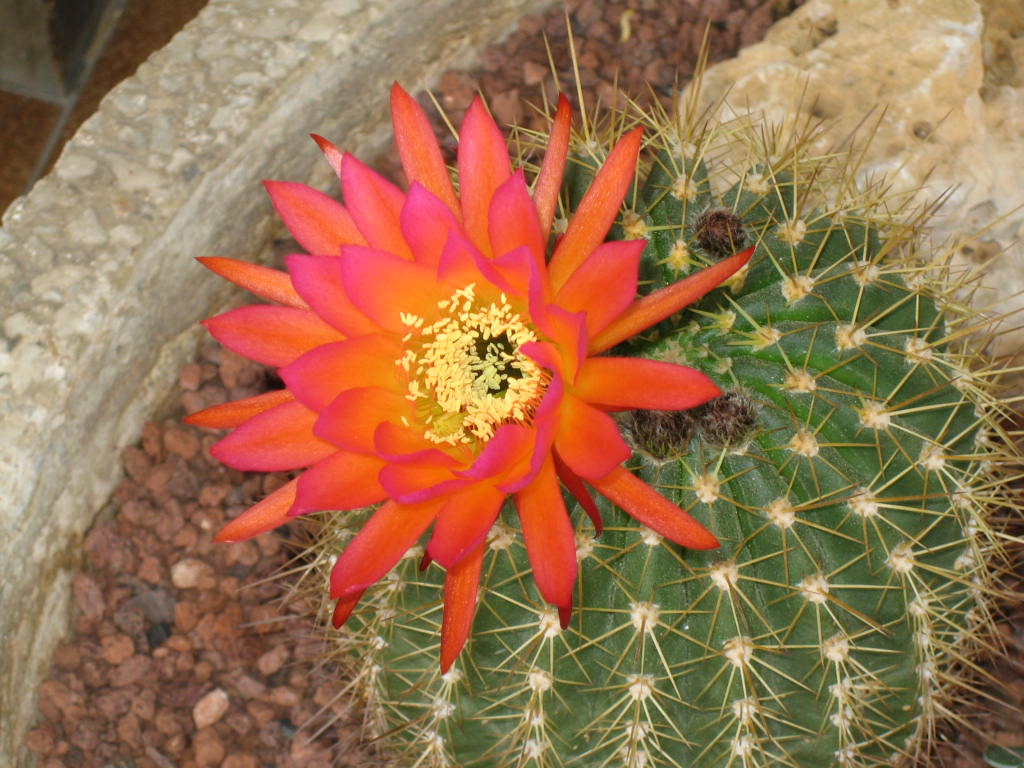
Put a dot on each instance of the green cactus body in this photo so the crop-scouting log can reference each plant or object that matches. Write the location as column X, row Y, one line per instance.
column 849, row 475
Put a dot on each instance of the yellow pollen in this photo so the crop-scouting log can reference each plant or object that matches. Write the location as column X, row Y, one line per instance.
column 466, row 373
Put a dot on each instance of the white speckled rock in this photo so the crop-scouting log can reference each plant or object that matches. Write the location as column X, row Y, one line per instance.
column 944, row 79
column 99, row 293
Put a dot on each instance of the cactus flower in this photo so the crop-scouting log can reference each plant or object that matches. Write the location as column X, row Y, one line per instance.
column 437, row 361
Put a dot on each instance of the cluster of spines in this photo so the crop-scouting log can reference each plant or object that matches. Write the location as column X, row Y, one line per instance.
column 947, row 599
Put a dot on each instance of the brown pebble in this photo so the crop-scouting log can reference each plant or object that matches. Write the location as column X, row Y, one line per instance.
column 191, row 377
column 282, row 696
column 211, row 708
column 271, row 661
column 131, row 671
column 240, row 760
column 192, row 572
column 39, row 740
column 116, row 648
column 181, row 442
column 209, row 749
column 88, row 595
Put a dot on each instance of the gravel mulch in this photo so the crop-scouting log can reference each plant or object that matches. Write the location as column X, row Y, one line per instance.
column 188, row 653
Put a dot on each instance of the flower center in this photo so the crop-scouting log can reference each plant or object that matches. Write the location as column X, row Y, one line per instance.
column 466, row 373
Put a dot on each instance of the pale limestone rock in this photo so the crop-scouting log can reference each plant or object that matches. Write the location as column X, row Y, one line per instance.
column 943, row 80
column 99, row 294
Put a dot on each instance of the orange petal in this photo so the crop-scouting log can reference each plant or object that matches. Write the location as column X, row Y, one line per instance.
column 320, row 223
column 231, row 415
column 383, row 287
column 588, row 440
column 463, row 523
column 549, row 536
column 270, row 335
column 381, row 542
column 341, row 481
column 334, row 155
column 323, row 373
column 352, row 418
column 649, row 507
column 579, row 491
column 461, row 584
column 597, row 210
column 549, row 179
column 280, row 438
column 484, row 166
column 624, row 383
column 655, row 307
column 267, row 283
column 418, row 149
column 605, row 283
column 345, row 607
column 262, row 516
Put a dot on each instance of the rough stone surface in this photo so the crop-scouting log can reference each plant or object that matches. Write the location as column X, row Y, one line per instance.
column 99, row 296
column 943, row 79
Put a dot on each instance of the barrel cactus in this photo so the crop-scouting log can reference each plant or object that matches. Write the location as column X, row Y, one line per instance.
column 850, row 469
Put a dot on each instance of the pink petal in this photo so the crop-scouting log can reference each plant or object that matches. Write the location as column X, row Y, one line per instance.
column 549, row 179
column 426, row 225
column 463, row 523
column 604, row 285
column 549, row 536
column 341, row 481
column 351, row 419
column 323, row 373
column 483, row 167
column 461, row 584
column 512, row 220
column 278, row 439
column 588, row 440
column 381, row 542
column 655, row 307
column 384, row 287
column 650, row 508
column 597, row 210
column 318, row 281
column 263, row 516
column 624, row 383
column 267, row 283
column 418, row 149
column 237, row 412
column 376, row 207
column 270, row 335
column 320, row 223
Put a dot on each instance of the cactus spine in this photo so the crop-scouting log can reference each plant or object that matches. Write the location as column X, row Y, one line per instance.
column 851, row 472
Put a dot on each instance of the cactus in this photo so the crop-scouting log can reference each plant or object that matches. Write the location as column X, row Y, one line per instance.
column 851, row 472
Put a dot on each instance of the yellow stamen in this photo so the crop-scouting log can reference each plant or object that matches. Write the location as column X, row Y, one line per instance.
column 467, row 375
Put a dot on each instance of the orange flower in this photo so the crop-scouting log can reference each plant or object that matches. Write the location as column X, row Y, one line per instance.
column 436, row 361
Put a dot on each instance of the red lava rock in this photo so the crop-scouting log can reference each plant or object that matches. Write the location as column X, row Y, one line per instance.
column 211, row 708
column 186, row 615
column 283, row 697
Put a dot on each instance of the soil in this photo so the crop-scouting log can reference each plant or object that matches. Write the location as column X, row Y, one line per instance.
column 188, row 653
